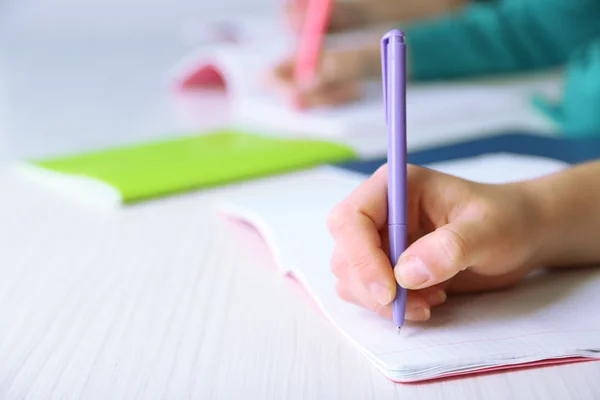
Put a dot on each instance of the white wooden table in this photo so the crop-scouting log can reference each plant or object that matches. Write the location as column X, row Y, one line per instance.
column 223, row 323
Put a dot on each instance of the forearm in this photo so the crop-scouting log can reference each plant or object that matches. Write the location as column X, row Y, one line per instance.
column 569, row 206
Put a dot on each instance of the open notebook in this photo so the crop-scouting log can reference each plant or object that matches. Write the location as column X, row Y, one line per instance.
column 549, row 319
column 459, row 108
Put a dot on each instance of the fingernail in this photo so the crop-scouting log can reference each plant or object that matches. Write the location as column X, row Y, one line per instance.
column 418, row 314
column 436, row 298
column 411, row 273
column 381, row 293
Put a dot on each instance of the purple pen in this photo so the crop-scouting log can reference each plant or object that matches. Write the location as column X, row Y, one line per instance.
column 393, row 56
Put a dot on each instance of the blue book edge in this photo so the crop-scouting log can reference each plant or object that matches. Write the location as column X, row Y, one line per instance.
column 568, row 150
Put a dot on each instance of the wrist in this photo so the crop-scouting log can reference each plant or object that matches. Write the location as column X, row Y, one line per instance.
column 551, row 222
column 540, row 214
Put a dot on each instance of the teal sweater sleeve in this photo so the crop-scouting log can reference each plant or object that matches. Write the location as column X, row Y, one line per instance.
column 505, row 36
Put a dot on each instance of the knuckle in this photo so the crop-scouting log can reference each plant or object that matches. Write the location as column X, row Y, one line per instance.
column 478, row 208
column 333, row 221
column 368, row 267
column 337, row 218
column 337, row 265
column 363, row 264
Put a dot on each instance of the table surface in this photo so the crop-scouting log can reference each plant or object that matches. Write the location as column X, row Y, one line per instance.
column 92, row 76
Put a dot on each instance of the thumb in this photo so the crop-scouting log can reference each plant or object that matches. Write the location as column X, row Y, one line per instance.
column 440, row 255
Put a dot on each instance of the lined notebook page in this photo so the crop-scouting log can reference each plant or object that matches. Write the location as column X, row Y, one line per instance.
column 547, row 317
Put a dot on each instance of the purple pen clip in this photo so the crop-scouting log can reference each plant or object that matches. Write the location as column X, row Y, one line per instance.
column 394, row 97
column 384, row 66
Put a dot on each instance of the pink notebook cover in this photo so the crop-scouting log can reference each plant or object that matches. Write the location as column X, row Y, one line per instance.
column 199, row 76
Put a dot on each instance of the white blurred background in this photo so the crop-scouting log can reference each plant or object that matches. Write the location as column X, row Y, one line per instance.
column 79, row 74
column 118, row 19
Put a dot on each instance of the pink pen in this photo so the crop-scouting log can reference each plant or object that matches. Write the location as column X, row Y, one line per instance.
column 311, row 39
column 393, row 65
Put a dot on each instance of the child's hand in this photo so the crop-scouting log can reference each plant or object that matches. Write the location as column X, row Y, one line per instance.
column 337, row 79
column 463, row 237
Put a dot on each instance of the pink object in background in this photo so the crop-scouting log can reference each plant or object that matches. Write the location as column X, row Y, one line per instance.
column 206, row 76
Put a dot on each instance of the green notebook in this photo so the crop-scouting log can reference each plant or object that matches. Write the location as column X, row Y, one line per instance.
column 136, row 173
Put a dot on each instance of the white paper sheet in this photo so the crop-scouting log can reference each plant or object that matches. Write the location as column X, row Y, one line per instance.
column 547, row 318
